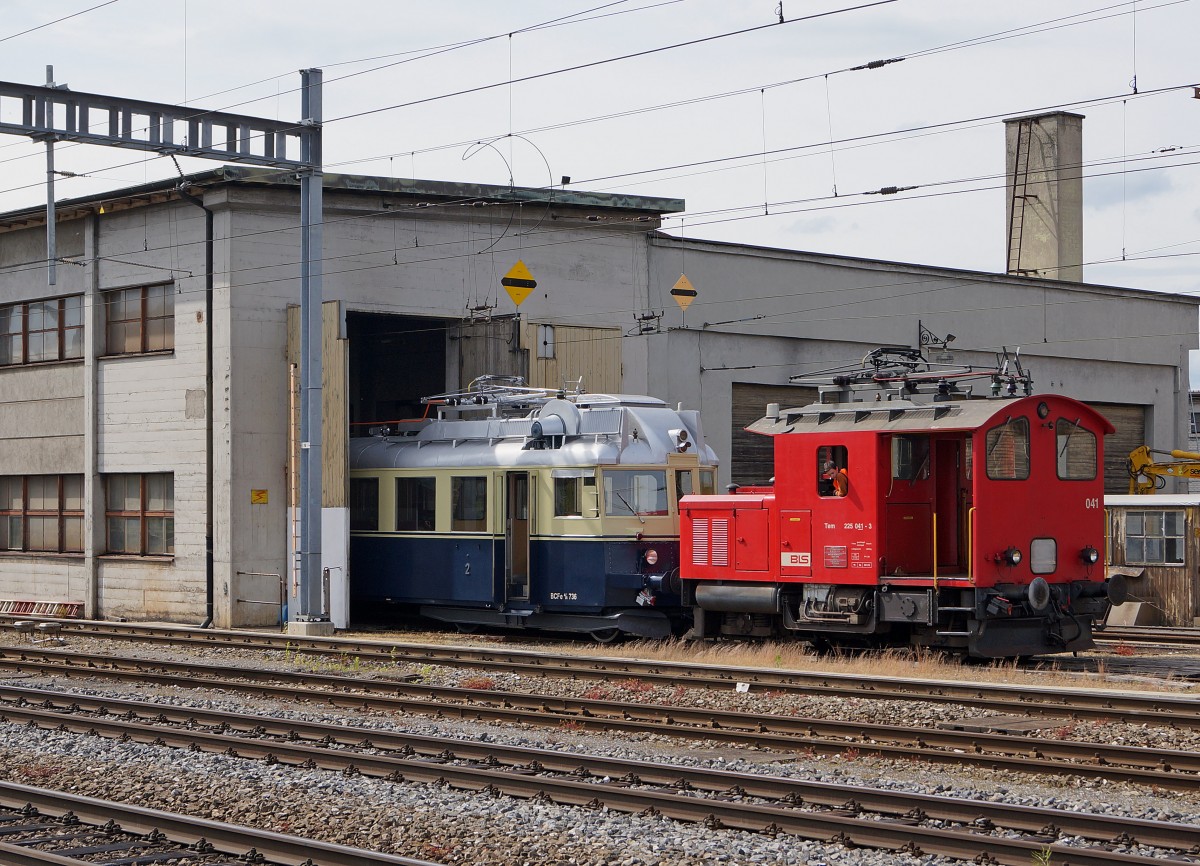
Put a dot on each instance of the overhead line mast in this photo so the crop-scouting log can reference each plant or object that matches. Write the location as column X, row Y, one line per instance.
column 55, row 113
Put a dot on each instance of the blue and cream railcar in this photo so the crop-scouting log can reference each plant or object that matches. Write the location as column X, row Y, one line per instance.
column 525, row 509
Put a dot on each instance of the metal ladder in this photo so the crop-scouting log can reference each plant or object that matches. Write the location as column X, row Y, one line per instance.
column 952, row 610
column 1019, row 194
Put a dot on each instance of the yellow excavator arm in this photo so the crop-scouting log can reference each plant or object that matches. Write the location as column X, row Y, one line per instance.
column 1148, row 475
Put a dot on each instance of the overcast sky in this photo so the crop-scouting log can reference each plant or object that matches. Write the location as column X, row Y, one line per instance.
column 759, row 165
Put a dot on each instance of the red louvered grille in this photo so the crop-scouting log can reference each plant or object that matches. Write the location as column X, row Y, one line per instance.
column 720, row 542
column 699, row 542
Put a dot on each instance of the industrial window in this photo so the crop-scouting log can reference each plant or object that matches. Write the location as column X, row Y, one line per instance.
column 708, row 482
column 364, row 504
column 140, row 514
column 468, row 503
column 1076, row 450
column 140, row 320
column 1008, row 450
column 1154, row 537
column 41, row 331
column 41, row 513
column 833, row 476
column 635, row 491
column 545, row 342
column 416, row 504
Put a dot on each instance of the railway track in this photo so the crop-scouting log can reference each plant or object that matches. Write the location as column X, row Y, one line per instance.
column 1157, row 635
column 40, row 827
column 1018, row 753
column 917, row 824
column 1074, row 703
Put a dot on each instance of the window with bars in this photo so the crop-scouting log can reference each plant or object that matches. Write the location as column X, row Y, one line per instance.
column 139, row 320
column 139, row 514
column 41, row 513
column 38, row 331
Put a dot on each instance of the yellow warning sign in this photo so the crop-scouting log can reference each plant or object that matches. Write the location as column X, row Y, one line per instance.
column 258, row 497
column 518, row 282
column 683, row 292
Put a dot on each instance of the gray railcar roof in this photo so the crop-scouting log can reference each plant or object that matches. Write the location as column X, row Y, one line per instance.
column 600, row 429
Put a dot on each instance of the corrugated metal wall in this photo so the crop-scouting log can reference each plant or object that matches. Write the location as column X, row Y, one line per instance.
column 1130, row 421
column 753, row 457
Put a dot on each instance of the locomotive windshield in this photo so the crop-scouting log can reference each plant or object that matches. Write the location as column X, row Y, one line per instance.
column 629, row 492
column 1008, row 451
column 1076, row 451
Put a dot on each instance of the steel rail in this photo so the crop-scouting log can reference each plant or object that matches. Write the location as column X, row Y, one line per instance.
column 1151, row 634
column 229, row 838
column 1080, row 703
column 47, row 707
column 907, row 836
column 1164, row 768
column 19, row 855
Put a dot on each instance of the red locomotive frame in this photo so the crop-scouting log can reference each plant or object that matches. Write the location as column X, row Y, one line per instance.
column 975, row 525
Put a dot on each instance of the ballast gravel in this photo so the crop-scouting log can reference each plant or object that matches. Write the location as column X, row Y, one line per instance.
column 442, row 825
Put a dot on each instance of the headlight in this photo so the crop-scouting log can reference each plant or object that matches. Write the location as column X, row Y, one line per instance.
column 1090, row 555
column 1010, row 556
column 651, row 557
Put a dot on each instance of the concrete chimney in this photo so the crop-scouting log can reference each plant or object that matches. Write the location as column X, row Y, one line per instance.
column 1044, row 170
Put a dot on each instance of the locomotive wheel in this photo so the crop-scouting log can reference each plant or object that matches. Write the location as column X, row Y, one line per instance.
column 606, row 635
column 822, row 646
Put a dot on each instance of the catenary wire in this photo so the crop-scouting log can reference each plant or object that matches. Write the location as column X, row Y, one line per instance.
column 59, row 20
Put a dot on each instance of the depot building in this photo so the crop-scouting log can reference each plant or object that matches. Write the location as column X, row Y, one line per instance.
column 149, row 398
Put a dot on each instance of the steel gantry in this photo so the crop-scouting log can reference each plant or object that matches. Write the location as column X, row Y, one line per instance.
column 54, row 113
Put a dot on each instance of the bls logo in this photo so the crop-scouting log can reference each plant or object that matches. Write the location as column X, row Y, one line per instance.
column 795, row 560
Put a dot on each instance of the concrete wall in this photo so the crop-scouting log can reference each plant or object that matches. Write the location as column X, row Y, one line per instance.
column 149, row 409
column 113, row 414
column 41, row 419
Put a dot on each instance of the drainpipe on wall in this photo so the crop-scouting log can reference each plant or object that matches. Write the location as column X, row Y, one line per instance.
column 208, row 401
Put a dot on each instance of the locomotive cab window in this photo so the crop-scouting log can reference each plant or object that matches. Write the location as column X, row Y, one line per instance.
column 415, row 504
column 833, row 478
column 683, row 483
column 1076, row 450
column 1008, row 450
column 629, row 492
column 708, row 482
column 364, row 504
column 468, row 503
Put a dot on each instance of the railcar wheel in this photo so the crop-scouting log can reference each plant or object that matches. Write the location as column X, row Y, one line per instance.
column 606, row 635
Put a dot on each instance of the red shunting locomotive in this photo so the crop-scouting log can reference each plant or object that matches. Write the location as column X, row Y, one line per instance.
column 903, row 512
